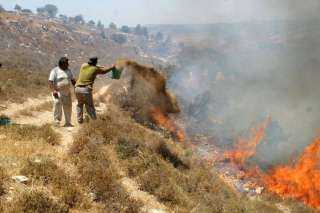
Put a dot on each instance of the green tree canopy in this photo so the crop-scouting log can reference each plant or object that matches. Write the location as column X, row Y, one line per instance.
column 79, row 19
column 2, row 9
column 159, row 36
column 100, row 25
column 91, row 23
column 17, row 7
column 112, row 26
column 49, row 10
column 142, row 31
column 125, row 29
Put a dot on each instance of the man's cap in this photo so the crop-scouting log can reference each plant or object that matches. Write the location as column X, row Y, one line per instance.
column 93, row 60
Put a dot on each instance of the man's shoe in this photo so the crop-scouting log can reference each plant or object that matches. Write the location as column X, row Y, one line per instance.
column 68, row 125
column 56, row 124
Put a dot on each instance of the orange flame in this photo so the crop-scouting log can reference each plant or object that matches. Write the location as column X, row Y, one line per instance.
column 300, row 181
column 246, row 148
column 162, row 120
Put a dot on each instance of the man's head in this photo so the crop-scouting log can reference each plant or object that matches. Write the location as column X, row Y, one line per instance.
column 93, row 61
column 64, row 63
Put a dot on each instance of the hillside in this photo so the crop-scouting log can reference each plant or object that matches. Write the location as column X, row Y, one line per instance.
column 113, row 165
column 31, row 45
column 102, row 166
column 134, row 158
column 39, row 41
column 251, row 101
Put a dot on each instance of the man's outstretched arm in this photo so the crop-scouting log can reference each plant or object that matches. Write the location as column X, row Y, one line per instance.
column 104, row 70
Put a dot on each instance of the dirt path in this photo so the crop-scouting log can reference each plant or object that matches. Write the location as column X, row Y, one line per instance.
column 13, row 109
column 37, row 117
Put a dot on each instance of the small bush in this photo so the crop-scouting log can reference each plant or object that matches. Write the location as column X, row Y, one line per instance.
column 27, row 132
column 80, row 141
column 127, row 149
column 63, row 187
column 159, row 183
column 3, row 178
column 98, row 172
column 45, row 170
column 2, row 205
column 168, row 155
column 36, row 202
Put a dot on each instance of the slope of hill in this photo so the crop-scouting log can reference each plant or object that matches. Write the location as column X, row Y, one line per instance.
column 113, row 164
column 39, row 42
column 31, row 45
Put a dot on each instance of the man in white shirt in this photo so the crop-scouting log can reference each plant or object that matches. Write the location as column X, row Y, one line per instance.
column 60, row 81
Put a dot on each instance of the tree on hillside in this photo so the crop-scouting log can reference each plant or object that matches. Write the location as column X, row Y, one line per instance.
column 125, row 29
column 49, row 10
column 79, row 19
column 2, row 9
column 63, row 18
column 40, row 11
column 26, row 11
column 119, row 38
column 100, row 25
column 17, row 7
column 103, row 34
column 112, row 26
column 142, row 31
column 52, row 10
column 137, row 29
column 159, row 36
column 91, row 23
column 145, row 32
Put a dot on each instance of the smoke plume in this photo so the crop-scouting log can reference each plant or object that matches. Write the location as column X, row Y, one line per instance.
column 265, row 63
column 208, row 11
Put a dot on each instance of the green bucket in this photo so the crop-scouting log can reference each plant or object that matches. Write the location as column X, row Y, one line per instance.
column 116, row 74
column 4, row 121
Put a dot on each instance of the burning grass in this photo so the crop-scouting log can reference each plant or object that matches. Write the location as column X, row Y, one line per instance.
column 246, row 148
column 161, row 167
column 162, row 120
column 298, row 181
column 301, row 180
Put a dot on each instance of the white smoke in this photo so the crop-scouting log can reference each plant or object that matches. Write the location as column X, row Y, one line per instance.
column 212, row 11
column 271, row 68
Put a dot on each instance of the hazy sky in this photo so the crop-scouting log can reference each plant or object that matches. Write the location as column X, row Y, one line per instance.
column 132, row 12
